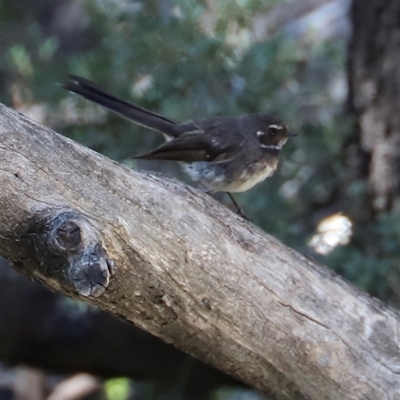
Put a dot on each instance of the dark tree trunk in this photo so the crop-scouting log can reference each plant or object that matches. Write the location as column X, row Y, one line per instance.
column 374, row 75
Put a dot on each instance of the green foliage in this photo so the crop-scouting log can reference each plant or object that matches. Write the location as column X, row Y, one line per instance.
column 372, row 258
column 117, row 389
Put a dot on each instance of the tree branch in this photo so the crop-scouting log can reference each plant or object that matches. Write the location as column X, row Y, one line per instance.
column 38, row 328
column 189, row 271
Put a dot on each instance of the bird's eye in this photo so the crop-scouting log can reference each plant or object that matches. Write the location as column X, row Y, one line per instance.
column 274, row 129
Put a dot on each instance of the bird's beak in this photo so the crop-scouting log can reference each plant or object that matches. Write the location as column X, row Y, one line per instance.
column 291, row 133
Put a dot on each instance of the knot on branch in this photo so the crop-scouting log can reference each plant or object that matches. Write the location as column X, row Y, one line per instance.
column 70, row 250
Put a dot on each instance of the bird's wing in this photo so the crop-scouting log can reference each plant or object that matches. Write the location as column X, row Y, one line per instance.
column 189, row 147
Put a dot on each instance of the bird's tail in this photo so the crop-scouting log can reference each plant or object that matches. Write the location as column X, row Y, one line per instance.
column 141, row 116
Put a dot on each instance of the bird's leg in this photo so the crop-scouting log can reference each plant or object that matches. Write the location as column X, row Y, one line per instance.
column 239, row 211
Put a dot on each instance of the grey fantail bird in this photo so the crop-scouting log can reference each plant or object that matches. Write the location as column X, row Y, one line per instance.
column 223, row 153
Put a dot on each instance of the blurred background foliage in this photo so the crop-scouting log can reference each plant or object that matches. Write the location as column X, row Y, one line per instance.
column 191, row 59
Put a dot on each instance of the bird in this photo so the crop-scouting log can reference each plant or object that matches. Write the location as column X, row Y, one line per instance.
column 222, row 153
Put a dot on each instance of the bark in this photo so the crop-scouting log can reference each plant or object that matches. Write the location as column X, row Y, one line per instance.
column 40, row 328
column 186, row 269
column 374, row 65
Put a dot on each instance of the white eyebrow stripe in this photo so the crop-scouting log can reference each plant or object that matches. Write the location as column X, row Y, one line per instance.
column 279, row 127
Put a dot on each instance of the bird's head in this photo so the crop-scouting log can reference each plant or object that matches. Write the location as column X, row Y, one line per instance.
column 273, row 133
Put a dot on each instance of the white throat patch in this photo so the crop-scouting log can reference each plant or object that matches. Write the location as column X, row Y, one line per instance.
column 270, row 146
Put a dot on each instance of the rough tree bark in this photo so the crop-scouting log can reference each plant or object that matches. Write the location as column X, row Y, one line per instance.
column 39, row 330
column 186, row 269
column 374, row 65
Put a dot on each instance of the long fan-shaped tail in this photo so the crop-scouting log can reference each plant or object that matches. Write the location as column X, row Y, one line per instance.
column 139, row 115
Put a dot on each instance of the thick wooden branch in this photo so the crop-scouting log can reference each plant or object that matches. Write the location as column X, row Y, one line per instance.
column 89, row 340
column 186, row 269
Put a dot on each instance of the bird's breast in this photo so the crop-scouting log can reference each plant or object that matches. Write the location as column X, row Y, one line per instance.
column 232, row 176
column 251, row 177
